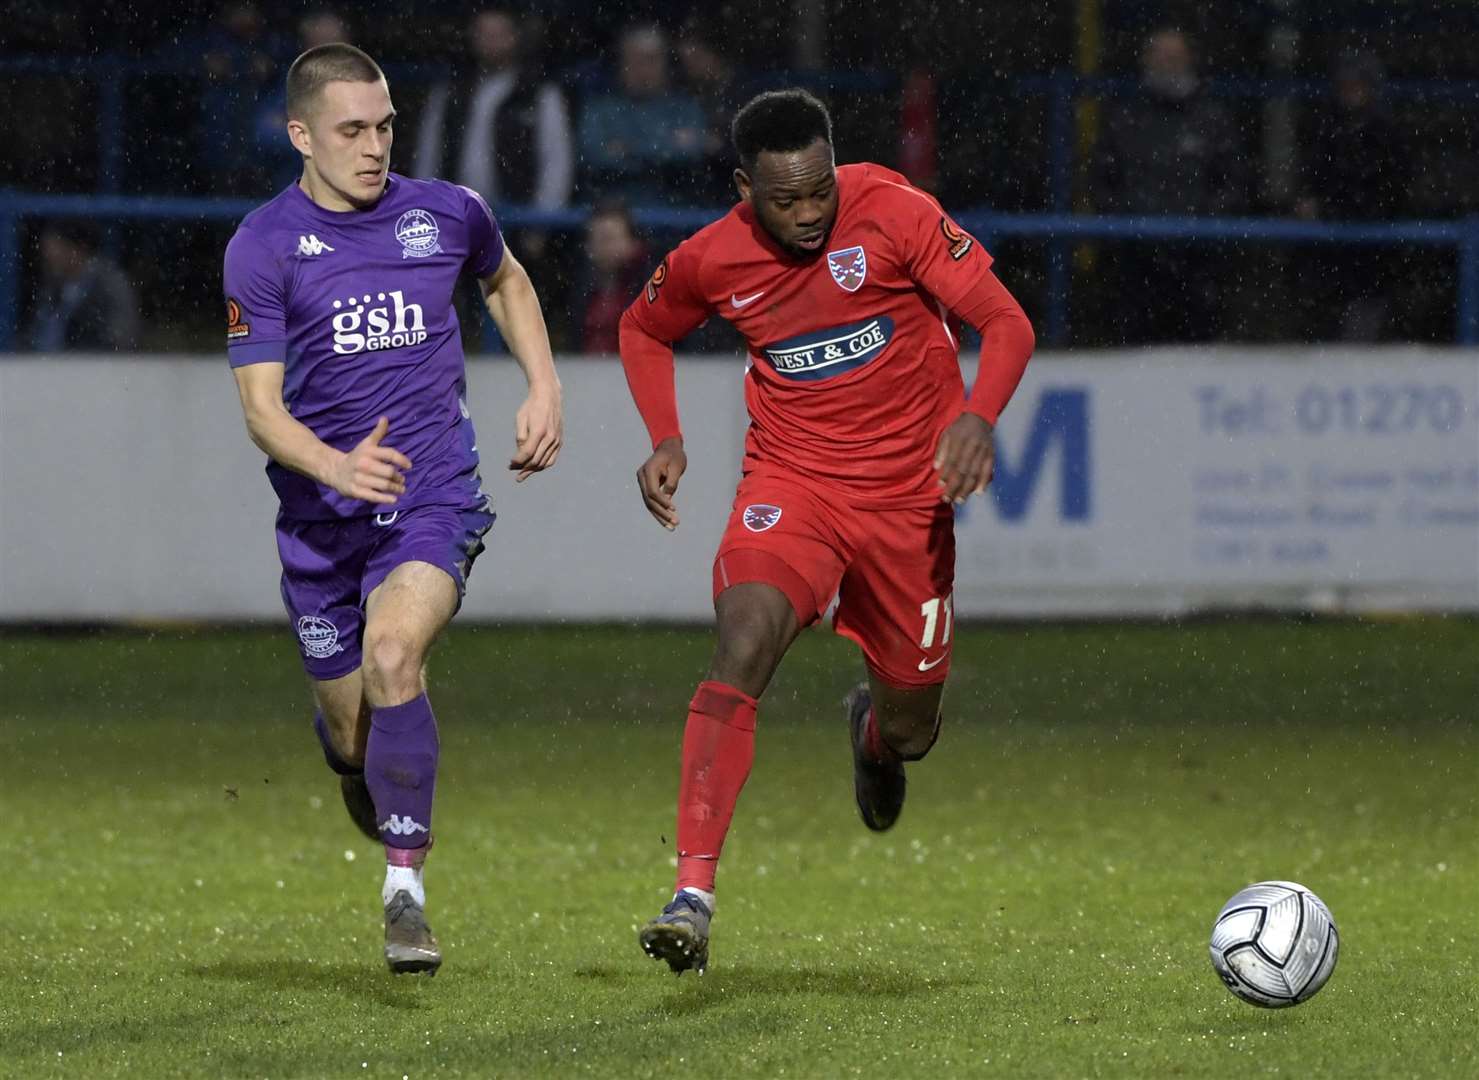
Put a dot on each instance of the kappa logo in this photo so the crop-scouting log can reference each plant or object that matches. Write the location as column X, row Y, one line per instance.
column 320, row 637
column 761, row 516
column 417, row 231
column 960, row 241
column 849, row 267
column 402, row 826
column 235, row 328
column 312, row 245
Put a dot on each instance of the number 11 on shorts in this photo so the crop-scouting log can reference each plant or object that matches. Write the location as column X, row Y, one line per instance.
column 930, row 609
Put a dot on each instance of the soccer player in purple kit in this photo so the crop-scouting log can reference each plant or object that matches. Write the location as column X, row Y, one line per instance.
column 346, row 350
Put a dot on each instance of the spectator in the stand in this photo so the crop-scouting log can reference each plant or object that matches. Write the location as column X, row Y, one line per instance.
column 496, row 126
column 242, row 63
column 83, row 300
column 1169, row 150
column 616, row 267
column 644, row 143
column 1356, row 169
column 712, row 80
column 320, row 26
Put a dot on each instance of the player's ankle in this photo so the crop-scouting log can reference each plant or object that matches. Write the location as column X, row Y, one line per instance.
column 874, row 744
column 403, row 871
column 403, row 879
column 704, row 895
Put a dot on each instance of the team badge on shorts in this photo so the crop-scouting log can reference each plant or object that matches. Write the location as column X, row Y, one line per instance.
column 849, row 267
column 417, row 231
column 761, row 516
column 320, row 637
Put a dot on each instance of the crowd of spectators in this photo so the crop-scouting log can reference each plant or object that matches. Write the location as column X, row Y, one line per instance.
column 645, row 123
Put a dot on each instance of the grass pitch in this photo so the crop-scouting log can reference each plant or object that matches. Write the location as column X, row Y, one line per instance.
column 182, row 894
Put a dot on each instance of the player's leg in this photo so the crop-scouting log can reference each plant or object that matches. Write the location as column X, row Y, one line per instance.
column 414, row 581
column 322, row 564
column 403, row 616
column 776, row 558
column 342, row 724
column 896, row 602
column 906, row 719
column 756, row 624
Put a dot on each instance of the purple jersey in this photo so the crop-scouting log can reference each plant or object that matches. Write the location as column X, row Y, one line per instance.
column 358, row 307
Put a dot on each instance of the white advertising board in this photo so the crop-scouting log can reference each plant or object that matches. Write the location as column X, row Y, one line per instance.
column 1165, row 480
column 1146, row 482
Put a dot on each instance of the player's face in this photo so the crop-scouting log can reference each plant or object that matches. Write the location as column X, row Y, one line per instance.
column 346, row 141
column 794, row 195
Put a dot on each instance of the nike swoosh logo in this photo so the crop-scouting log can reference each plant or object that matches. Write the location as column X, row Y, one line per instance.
column 925, row 665
column 737, row 302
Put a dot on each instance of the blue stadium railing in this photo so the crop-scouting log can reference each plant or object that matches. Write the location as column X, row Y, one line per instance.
column 1061, row 231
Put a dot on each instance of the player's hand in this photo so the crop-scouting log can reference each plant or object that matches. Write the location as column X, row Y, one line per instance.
column 658, row 479
column 370, row 471
column 965, row 458
column 539, row 431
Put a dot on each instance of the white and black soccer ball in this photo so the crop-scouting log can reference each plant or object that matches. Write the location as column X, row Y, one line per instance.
column 1274, row 944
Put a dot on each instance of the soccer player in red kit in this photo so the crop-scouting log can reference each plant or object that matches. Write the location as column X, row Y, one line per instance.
column 861, row 440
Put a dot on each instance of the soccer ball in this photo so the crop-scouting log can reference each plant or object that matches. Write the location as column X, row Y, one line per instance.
column 1274, row 944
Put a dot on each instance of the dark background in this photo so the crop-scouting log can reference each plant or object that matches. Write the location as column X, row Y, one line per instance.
column 993, row 126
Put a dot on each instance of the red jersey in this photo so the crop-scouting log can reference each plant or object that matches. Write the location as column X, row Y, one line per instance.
column 853, row 372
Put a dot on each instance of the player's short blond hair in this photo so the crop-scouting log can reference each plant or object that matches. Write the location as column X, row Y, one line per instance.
column 321, row 65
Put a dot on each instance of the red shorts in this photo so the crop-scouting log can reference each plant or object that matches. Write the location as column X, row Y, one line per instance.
column 892, row 571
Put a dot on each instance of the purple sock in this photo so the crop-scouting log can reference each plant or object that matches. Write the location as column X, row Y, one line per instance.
column 331, row 755
column 401, row 771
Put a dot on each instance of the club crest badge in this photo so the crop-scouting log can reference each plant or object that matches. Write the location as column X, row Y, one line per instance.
column 761, row 516
column 320, row 637
column 417, row 231
column 849, row 267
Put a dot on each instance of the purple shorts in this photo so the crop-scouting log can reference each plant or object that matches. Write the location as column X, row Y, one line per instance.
column 329, row 568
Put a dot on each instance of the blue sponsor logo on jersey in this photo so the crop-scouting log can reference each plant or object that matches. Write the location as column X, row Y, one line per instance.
column 825, row 354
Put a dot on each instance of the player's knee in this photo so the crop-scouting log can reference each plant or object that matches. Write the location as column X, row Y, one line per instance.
column 391, row 664
column 741, row 659
column 911, row 734
column 748, row 651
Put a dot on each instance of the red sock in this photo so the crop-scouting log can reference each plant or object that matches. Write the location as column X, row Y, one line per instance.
column 873, row 740
column 718, row 749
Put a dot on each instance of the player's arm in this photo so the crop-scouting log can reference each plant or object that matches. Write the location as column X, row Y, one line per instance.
column 370, row 471
column 966, row 454
column 952, row 266
column 256, row 342
column 539, row 425
column 669, row 308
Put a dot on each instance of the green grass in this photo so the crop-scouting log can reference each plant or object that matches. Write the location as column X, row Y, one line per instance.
column 178, row 897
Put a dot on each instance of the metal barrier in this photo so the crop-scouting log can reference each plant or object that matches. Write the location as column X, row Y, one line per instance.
column 1060, row 230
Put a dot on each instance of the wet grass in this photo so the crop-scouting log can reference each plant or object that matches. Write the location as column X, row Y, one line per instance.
column 182, row 895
